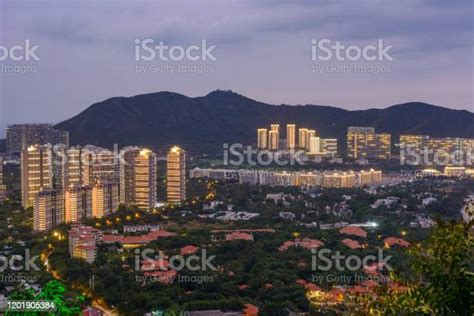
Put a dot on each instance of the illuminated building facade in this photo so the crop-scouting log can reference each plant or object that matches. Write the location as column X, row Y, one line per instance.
column 105, row 198
column 36, row 172
column 77, row 203
column 145, row 179
column 176, row 175
column 3, row 187
column 290, row 136
column 384, row 147
column 302, row 137
column 262, row 138
column 48, row 209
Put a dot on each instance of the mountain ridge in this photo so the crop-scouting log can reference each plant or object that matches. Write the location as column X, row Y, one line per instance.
column 165, row 117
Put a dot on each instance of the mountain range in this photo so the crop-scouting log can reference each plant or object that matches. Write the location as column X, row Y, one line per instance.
column 165, row 118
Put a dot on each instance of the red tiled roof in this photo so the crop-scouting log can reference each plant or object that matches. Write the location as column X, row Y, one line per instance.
column 189, row 249
column 243, row 286
column 250, row 310
column 153, row 265
column 237, row 235
column 353, row 230
column 351, row 243
column 390, row 241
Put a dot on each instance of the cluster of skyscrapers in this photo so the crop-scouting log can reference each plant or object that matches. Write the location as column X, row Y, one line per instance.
column 67, row 184
column 423, row 150
column 307, row 139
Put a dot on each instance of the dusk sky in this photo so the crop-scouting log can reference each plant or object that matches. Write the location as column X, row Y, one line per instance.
column 262, row 50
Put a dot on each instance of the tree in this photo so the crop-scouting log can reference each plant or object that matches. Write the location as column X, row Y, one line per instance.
column 439, row 281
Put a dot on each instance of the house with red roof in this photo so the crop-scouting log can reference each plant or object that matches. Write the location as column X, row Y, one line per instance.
column 188, row 250
column 354, row 231
column 250, row 310
column 351, row 243
column 238, row 236
column 390, row 241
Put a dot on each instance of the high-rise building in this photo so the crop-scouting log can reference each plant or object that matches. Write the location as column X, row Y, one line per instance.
column 314, row 145
column 99, row 164
column 71, row 167
column 127, row 174
column 361, row 143
column 290, row 136
column 105, row 198
column 176, row 175
column 415, row 149
column 273, row 140
column 262, row 138
column 48, row 209
column 36, row 172
column 274, row 137
column 3, row 188
column 310, row 133
column 329, row 146
column 384, row 146
column 145, row 179
column 78, row 203
column 21, row 136
column 302, row 138
column 138, row 177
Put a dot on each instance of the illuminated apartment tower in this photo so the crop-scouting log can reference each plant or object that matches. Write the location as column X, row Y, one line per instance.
column 302, row 137
column 412, row 145
column 48, row 209
column 176, row 175
column 78, row 203
column 2, row 186
column 361, row 143
column 262, row 138
column 383, row 145
column 309, row 134
column 127, row 174
column 145, row 179
column 98, row 164
column 71, row 167
column 274, row 137
column 329, row 146
column 36, row 172
column 290, row 136
column 105, row 198
column 314, row 145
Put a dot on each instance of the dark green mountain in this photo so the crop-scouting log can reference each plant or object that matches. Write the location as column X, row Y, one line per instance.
column 165, row 118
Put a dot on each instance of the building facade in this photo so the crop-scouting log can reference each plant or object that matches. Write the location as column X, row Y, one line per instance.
column 21, row 136
column 36, row 172
column 48, row 209
column 262, row 138
column 290, row 136
column 176, row 175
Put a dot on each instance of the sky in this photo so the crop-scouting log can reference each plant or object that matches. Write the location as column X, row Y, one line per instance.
column 263, row 49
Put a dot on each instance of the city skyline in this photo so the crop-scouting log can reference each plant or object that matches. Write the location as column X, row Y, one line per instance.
column 254, row 42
